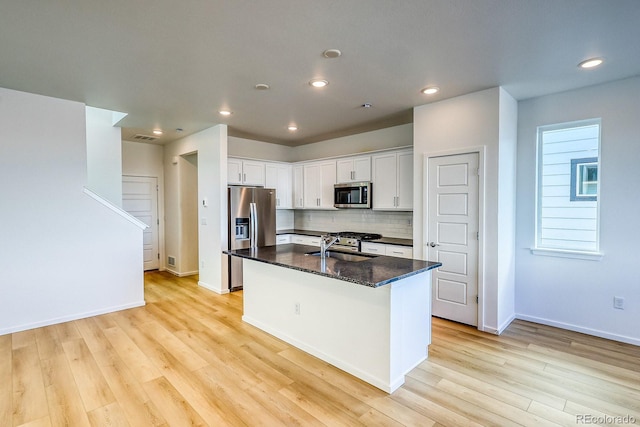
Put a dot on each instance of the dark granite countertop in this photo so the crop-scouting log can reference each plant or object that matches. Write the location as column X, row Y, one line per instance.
column 374, row 272
column 384, row 240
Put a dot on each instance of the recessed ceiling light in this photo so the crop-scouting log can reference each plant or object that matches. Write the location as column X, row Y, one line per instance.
column 224, row 112
column 590, row 63
column 292, row 127
column 157, row 132
column 262, row 86
column 318, row 83
column 331, row 53
column 430, row 90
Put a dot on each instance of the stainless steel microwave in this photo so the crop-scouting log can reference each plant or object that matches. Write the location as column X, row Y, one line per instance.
column 352, row 195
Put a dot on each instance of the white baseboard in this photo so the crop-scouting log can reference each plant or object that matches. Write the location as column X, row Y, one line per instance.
column 69, row 318
column 213, row 288
column 185, row 274
column 581, row 329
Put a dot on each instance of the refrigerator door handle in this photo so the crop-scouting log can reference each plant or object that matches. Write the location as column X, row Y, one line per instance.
column 253, row 219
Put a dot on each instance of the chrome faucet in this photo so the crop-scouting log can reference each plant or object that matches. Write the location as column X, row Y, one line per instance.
column 326, row 242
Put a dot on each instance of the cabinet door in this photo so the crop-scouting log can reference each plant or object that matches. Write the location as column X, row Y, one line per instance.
column 271, row 181
column 279, row 177
column 298, row 187
column 405, row 181
column 234, row 171
column 252, row 173
column 284, row 186
column 312, row 183
column 384, row 181
column 327, row 182
column 344, row 170
column 362, row 168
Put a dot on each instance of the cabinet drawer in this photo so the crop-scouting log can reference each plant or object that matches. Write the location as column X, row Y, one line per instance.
column 373, row 248
column 399, row 251
column 283, row 239
column 305, row 240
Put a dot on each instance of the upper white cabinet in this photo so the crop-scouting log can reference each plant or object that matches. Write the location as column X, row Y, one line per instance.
column 318, row 181
column 392, row 178
column 278, row 176
column 298, row 187
column 245, row 172
column 353, row 169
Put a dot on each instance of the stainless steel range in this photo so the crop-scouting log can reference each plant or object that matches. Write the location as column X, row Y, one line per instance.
column 350, row 240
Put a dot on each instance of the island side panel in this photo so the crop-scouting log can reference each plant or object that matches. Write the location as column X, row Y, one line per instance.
column 342, row 323
column 410, row 324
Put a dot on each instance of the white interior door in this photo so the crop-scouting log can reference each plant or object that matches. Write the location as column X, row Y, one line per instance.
column 453, row 226
column 140, row 199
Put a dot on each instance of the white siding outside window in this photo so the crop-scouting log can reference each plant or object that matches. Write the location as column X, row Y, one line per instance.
column 566, row 222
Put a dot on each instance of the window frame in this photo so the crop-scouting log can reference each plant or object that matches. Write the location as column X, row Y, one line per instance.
column 575, row 195
column 537, row 249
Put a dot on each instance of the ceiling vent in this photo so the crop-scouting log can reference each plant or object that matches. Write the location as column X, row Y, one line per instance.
column 141, row 137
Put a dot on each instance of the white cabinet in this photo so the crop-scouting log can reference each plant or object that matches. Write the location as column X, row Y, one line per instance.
column 245, row 172
column 278, row 176
column 298, row 187
column 392, row 178
column 282, row 239
column 353, row 169
column 399, row 251
column 301, row 239
column 318, row 181
column 388, row 250
column 373, row 248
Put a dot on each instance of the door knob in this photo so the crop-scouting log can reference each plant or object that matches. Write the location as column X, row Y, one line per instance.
column 433, row 244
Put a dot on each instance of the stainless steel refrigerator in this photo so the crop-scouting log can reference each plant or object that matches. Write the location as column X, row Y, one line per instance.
column 252, row 223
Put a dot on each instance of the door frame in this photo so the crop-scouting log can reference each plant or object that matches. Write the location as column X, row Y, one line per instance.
column 481, row 151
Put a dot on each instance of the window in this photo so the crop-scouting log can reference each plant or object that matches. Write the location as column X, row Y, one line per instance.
column 584, row 179
column 568, row 187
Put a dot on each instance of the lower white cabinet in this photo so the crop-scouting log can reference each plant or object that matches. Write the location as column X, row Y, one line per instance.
column 301, row 239
column 388, row 250
column 282, row 239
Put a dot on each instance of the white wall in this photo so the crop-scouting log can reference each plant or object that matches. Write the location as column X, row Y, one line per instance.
column 392, row 137
column 460, row 124
column 63, row 255
column 572, row 293
column 210, row 145
column 252, row 149
column 104, row 155
column 142, row 159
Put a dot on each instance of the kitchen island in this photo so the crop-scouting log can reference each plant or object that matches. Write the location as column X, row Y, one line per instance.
column 370, row 317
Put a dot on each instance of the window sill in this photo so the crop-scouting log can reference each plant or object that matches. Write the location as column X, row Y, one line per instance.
column 590, row 256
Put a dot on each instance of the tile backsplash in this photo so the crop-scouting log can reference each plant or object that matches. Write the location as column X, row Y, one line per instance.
column 389, row 224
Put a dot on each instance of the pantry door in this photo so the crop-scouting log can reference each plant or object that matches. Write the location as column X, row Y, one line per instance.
column 453, row 235
column 140, row 199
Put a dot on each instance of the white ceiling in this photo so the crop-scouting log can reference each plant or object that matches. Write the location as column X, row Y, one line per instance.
column 173, row 64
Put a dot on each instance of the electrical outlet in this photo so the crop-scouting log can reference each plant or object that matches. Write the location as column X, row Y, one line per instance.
column 618, row 303
column 297, row 308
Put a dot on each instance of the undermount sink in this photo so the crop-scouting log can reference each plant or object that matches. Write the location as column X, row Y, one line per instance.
column 344, row 256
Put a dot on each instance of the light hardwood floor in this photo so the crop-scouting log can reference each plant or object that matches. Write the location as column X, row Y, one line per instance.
column 186, row 358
